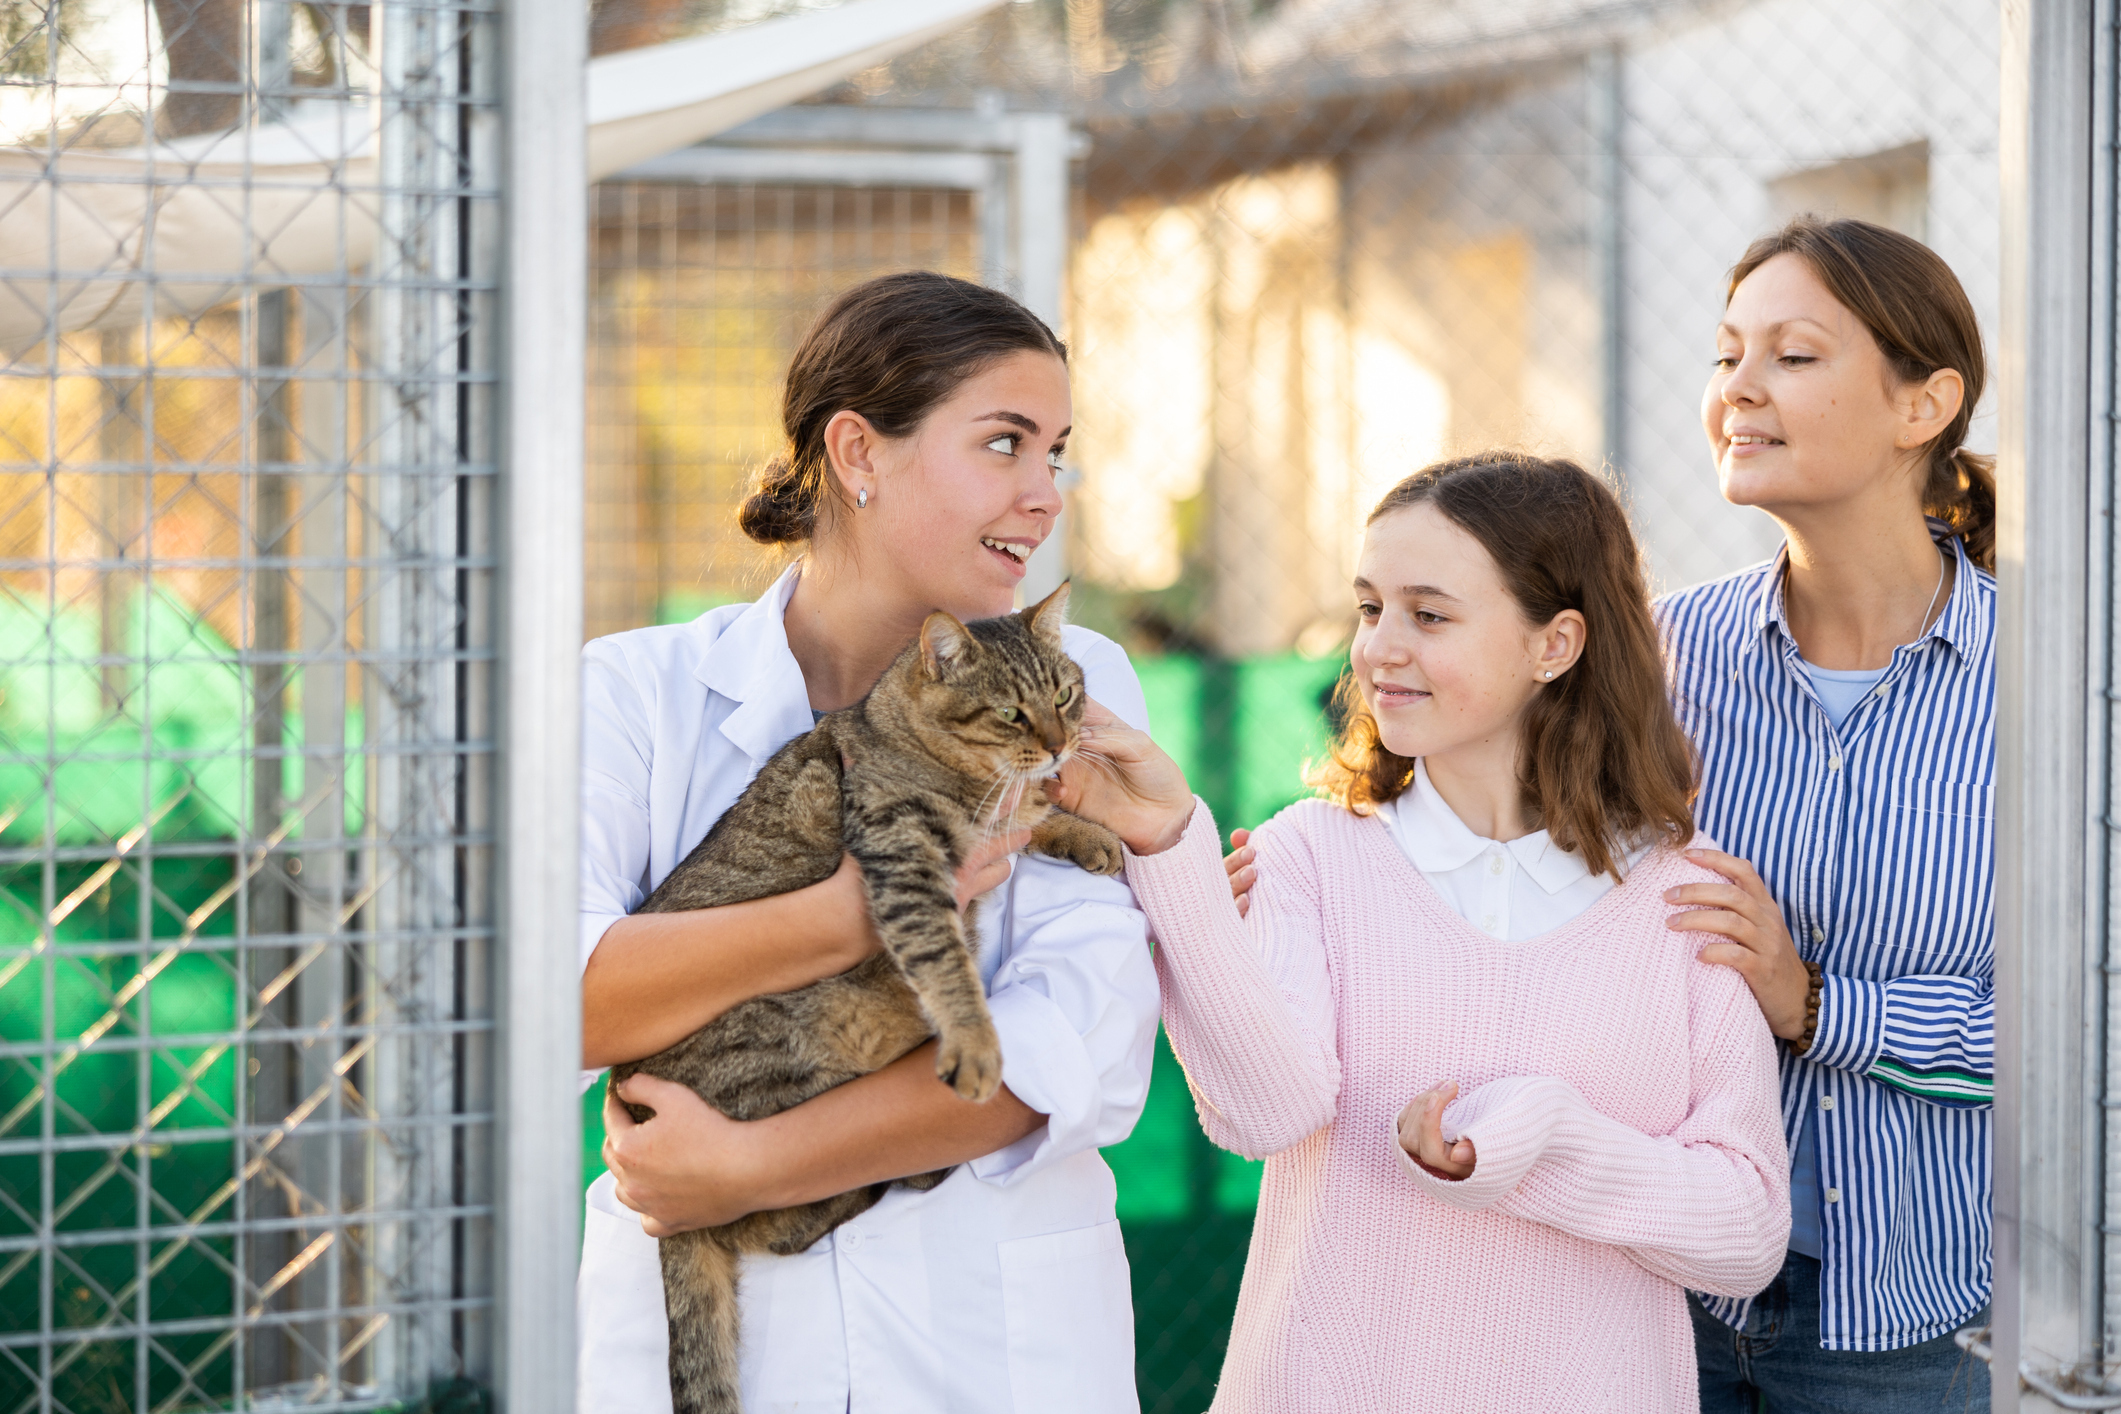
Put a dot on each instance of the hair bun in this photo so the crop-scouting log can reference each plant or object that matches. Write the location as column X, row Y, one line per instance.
column 783, row 509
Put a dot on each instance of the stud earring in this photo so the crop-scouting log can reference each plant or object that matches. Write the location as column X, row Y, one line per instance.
column 861, row 498
column 1548, row 673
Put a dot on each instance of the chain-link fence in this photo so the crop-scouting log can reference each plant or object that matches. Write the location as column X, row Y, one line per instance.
column 247, row 285
column 1313, row 245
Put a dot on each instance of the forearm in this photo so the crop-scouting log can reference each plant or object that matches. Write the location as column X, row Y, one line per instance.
column 655, row 978
column 1706, row 1207
column 897, row 1122
column 1263, row 1071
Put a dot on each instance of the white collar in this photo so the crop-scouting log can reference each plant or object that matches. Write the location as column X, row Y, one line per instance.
column 1438, row 841
column 749, row 662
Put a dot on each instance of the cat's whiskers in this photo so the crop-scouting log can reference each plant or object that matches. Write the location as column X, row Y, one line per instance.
column 988, row 811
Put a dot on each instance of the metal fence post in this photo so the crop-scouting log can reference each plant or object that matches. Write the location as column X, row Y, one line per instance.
column 2046, row 1309
column 1041, row 261
column 545, row 321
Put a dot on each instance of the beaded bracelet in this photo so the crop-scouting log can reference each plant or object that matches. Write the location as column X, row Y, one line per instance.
column 1811, row 1010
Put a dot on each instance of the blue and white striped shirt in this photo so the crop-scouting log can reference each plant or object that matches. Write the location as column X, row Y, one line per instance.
column 1878, row 840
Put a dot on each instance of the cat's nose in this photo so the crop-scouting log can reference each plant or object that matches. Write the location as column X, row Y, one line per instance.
column 1054, row 738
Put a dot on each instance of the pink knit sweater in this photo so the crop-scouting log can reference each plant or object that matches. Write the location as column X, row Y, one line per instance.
column 1620, row 1097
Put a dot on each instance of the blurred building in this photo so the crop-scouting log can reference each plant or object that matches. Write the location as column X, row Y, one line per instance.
column 1316, row 244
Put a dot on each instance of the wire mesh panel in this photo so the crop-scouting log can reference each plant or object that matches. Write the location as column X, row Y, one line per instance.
column 246, row 309
column 1315, row 244
column 698, row 294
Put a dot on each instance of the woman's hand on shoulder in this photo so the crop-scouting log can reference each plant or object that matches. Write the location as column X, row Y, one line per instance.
column 686, row 1166
column 1124, row 781
column 1421, row 1135
column 1759, row 947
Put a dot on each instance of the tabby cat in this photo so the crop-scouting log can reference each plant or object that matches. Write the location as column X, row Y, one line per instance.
column 953, row 744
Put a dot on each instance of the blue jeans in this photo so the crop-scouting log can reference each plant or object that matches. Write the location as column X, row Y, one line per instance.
column 1775, row 1366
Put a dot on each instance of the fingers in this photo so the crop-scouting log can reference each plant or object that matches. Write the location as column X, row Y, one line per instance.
column 997, row 846
column 617, row 1118
column 1239, row 838
column 1243, row 872
column 1711, row 896
column 1741, row 960
column 1731, row 867
column 1097, row 714
column 1735, row 926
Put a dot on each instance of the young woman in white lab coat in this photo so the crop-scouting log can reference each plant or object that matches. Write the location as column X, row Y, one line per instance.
column 926, row 418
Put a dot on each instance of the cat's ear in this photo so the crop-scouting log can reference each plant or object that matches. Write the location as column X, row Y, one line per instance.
column 945, row 644
column 1049, row 614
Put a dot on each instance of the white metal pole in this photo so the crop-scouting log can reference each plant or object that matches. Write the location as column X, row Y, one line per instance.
column 545, row 304
column 1041, row 267
column 2045, row 1321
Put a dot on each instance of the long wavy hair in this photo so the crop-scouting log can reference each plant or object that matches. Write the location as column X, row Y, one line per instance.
column 1602, row 763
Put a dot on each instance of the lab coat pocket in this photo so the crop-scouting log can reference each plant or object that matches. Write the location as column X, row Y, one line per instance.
column 1070, row 1317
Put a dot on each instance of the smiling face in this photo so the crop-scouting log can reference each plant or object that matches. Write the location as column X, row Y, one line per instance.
column 956, row 508
column 1443, row 656
column 1802, row 409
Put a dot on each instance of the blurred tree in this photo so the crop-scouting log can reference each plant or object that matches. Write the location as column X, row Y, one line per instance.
column 634, row 24
column 203, row 42
column 31, row 32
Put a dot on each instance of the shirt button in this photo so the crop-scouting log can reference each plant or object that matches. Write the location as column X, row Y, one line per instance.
column 1495, row 866
column 1833, row 1195
column 1882, row 690
column 851, row 1239
column 1833, row 763
column 1487, row 921
column 1826, row 1102
column 1818, row 934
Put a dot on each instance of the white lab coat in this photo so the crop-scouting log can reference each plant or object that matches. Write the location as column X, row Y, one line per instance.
column 1005, row 1289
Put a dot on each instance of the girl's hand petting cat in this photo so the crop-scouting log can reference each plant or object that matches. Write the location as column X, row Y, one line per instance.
column 1421, row 1134
column 689, row 1166
column 1124, row 781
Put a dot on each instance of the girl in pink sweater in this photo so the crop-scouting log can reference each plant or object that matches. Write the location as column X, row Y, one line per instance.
column 1507, row 1116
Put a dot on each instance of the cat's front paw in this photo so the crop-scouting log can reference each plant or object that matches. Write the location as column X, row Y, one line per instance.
column 1081, row 843
column 970, row 1062
column 1099, row 852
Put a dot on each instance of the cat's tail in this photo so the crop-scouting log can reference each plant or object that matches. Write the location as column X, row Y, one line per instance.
column 699, row 1290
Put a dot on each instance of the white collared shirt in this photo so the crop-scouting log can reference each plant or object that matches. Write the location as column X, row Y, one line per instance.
column 1511, row 890
column 1005, row 1289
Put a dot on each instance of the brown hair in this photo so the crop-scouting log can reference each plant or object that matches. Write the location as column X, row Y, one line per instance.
column 889, row 349
column 1602, row 763
column 1918, row 312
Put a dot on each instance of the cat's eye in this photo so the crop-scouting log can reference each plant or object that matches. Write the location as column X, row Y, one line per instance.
column 1063, row 697
column 1007, row 714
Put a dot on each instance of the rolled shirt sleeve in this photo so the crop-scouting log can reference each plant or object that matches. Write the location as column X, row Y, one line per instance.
column 617, row 753
column 1931, row 1037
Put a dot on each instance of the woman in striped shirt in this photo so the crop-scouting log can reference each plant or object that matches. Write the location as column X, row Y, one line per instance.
column 1842, row 699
